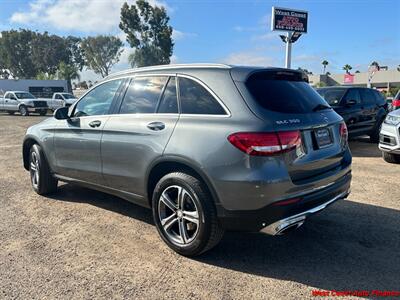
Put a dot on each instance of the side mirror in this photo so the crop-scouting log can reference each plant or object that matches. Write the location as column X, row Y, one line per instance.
column 61, row 113
column 351, row 102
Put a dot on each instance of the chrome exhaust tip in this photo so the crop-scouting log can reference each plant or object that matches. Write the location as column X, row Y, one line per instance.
column 283, row 226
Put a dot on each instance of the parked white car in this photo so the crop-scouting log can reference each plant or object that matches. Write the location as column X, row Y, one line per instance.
column 23, row 102
column 61, row 100
column 389, row 137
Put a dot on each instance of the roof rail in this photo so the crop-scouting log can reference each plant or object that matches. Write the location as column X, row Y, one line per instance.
column 168, row 67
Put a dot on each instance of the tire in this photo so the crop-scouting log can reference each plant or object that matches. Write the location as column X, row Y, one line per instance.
column 42, row 180
column 391, row 158
column 23, row 111
column 374, row 136
column 11, row 112
column 195, row 239
column 43, row 112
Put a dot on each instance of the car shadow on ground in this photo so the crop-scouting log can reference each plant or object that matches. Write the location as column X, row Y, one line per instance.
column 74, row 193
column 363, row 147
column 350, row 245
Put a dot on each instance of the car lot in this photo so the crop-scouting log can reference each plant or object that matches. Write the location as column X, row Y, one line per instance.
column 85, row 244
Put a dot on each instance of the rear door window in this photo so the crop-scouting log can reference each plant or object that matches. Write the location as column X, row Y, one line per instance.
column 380, row 100
column 195, row 99
column 283, row 92
column 367, row 96
column 142, row 95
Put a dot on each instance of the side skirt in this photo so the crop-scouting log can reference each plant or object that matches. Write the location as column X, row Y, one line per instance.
column 131, row 197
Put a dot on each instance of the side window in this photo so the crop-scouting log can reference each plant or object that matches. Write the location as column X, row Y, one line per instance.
column 142, row 95
column 195, row 99
column 169, row 101
column 379, row 99
column 58, row 97
column 7, row 96
column 352, row 94
column 98, row 100
column 367, row 96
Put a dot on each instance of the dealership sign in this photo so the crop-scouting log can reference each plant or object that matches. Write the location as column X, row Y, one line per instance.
column 286, row 19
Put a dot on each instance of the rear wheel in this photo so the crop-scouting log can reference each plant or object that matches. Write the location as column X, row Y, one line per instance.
column 184, row 214
column 391, row 158
column 23, row 111
column 42, row 180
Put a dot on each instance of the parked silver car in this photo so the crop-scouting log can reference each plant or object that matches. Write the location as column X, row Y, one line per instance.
column 389, row 137
column 207, row 147
column 22, row 102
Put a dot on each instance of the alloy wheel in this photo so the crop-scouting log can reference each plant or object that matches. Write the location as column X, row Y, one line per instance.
column 178, row 215
column 34, row 168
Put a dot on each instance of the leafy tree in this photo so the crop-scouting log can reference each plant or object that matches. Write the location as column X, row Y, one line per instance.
column 358, row 71
column 45, row 76
column 347, row 68
column 101, row 53
column 68, row 72
column 16, row 53
column 320, row 84
column 328, row 73
column 325, row 63
column 76, row 55
column 48, row 51
column 148, row 33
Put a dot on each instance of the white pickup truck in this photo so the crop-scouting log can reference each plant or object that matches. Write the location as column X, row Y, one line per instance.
column 22, row 102
column 61, row 100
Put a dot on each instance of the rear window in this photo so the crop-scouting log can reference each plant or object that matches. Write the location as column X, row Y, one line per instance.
column 333, row 96
column 283, row 92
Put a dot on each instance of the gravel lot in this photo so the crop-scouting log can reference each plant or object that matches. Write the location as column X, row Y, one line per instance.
column 85, row 244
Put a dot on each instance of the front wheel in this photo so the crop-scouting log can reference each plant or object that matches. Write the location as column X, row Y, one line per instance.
column 391, row 158
column 23, row 111
column 42, row 180
column 185, row 215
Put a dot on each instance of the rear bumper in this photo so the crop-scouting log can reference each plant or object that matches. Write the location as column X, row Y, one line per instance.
column 276, row 217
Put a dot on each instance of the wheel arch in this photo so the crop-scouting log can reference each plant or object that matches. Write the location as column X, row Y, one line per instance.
column 169, row 164
column 28, row 142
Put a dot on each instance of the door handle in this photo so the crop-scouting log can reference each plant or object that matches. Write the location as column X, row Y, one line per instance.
column 95, row 123
column 156, row 126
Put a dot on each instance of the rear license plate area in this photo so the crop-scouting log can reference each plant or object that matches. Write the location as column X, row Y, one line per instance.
column 323, row 137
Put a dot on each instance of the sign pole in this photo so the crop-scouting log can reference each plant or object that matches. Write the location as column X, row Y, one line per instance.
column 294, row 22
column 288, row 60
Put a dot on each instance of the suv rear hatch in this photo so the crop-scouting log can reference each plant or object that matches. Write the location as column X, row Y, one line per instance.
column 284, row 97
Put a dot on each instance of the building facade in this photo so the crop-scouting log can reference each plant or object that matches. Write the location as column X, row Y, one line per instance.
column 382, row 80
column 39, row 88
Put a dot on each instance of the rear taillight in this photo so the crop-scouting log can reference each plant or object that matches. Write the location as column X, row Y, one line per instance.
column 396, row 103
column 344, row 135
column 265, row 143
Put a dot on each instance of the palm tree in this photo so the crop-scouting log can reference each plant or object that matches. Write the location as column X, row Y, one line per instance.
column 347, row 68
column 325, row 63
column 68, row 72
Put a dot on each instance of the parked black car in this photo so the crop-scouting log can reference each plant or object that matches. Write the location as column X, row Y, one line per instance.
column 362, row 109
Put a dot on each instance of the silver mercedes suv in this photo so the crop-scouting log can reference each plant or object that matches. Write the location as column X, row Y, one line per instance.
column 208, row 148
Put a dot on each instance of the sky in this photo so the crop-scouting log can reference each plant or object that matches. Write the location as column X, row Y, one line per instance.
column 342, row 32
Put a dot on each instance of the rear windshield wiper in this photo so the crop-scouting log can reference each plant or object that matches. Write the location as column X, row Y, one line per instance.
column 321, row 107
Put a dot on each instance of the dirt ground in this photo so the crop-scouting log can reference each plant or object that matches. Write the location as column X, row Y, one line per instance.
column 85, row 244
